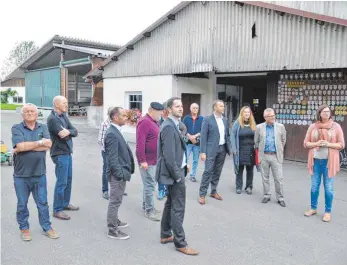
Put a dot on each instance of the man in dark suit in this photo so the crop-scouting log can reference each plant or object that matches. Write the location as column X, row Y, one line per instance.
column 214, row 145
column 120, row 167
column 171, row 171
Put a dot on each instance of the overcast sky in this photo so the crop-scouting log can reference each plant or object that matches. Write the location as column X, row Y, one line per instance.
column 114, row 21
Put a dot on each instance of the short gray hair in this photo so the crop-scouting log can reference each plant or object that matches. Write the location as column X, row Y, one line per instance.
column 269, row 110
column 28, row 105
column 217, row 101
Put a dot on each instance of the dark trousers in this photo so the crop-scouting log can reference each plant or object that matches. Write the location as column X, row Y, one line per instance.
column 249, row 177
column 173, row 214
column 38, row 187
column 63, row 186
column 104, row 177
column 117, row 188
column 212, row 172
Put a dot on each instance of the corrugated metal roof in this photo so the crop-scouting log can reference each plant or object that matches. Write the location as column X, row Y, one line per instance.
column 48, row 46
column 218, row 35
column 208, row 65
column 336, row 9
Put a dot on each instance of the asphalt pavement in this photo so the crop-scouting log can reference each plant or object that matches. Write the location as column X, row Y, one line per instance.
column 238, row 230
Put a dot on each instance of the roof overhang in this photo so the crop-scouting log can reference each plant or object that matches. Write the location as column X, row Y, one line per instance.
column 98, row 70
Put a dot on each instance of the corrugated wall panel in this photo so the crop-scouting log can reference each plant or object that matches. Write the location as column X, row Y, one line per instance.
column 218, row 35
column 33, row 89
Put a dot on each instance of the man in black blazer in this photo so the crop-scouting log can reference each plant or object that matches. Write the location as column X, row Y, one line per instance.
column 171, row 170
column 214, row 145
column 120, row 167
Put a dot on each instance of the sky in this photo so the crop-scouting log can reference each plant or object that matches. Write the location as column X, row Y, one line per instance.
column 114, row 21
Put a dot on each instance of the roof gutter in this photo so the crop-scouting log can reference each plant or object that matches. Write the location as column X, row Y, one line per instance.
column 76, row 62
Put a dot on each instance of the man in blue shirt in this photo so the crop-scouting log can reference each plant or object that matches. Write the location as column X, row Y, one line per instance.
column 30, row 141
column 270, row 139
column 193, row 123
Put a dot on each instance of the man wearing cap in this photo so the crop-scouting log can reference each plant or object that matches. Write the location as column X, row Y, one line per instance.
column 147, row 132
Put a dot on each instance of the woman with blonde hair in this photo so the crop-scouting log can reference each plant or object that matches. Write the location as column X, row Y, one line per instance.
column 324, row 139
column 242, row 144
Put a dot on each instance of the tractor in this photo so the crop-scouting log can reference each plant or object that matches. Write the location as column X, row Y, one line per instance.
column 6, row 156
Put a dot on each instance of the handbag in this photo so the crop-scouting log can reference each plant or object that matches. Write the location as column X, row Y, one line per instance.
column 256, row 159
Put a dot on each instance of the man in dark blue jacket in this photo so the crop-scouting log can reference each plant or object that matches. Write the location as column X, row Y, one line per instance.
column 193, row 122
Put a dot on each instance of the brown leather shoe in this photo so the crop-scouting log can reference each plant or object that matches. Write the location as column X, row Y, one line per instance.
column 216, row 196
column 202, row 200
column 167, row 240
column 70, row 207
column 61, row 215
column 25, row 235
column 188, row 251
column 326, row 217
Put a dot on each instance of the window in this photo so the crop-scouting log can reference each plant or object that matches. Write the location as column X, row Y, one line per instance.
column 135, row 101
column 17, row 99
column 254, row 34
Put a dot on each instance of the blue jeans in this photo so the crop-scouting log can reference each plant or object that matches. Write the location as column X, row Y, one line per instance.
column 319, row 169
column 62, row 190
column 104, row 177
column 196, row 150
column 38, row 187
column 148, row 180
column 162, row 187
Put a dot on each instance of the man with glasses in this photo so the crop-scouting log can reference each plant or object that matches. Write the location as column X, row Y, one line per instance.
column 270, row 139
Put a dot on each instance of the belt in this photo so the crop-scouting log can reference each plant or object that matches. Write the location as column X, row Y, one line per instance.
column 270, row 153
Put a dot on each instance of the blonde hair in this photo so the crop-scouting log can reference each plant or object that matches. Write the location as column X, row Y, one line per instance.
column 251, row 119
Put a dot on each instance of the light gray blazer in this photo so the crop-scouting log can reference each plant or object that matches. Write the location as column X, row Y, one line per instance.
column 280, row 140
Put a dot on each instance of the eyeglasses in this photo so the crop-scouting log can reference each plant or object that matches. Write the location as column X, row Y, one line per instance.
column 326, row 111
column 270, row 116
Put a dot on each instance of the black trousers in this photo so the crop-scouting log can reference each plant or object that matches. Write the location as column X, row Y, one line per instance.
column 249, row 178
column 173, row 214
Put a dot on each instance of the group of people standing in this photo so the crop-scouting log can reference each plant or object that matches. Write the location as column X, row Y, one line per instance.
column 164, row 142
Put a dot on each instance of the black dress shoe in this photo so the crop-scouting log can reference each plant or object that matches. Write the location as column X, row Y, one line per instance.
column 265, row 200
column 282, row 203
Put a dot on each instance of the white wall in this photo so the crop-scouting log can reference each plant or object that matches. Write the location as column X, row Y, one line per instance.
column 195, row 86
column 153, row 88
column 20, row 91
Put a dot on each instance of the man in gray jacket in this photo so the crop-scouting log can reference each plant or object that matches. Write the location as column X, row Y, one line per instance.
column 270, row 139
column 171, row 171
column 214, row 145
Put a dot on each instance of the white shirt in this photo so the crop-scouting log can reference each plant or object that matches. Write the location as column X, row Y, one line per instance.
column 176, row 121
column 221, row 129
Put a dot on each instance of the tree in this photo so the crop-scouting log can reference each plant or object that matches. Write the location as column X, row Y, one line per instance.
column 17, row 55
column 6, row 94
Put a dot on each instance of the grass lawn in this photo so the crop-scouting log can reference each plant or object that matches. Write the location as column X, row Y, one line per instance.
column 9, row 106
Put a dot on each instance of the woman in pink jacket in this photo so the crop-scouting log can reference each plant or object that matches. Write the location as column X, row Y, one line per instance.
column 324, row 139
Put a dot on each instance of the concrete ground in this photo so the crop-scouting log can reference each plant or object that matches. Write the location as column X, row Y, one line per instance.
column 238, row 230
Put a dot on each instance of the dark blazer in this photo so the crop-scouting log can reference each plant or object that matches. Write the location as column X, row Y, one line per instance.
column 59, row 145
column 119, row 158
column 171, row 148
column 209, row 136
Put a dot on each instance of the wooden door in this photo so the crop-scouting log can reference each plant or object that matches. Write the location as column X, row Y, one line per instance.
column 187, row 100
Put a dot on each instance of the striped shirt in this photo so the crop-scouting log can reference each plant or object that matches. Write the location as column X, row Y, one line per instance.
column 102, row 131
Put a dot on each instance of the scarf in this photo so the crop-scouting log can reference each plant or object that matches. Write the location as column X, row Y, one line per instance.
column 323, row 129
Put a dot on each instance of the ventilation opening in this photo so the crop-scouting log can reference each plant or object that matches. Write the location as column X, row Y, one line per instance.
column 254, row 31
